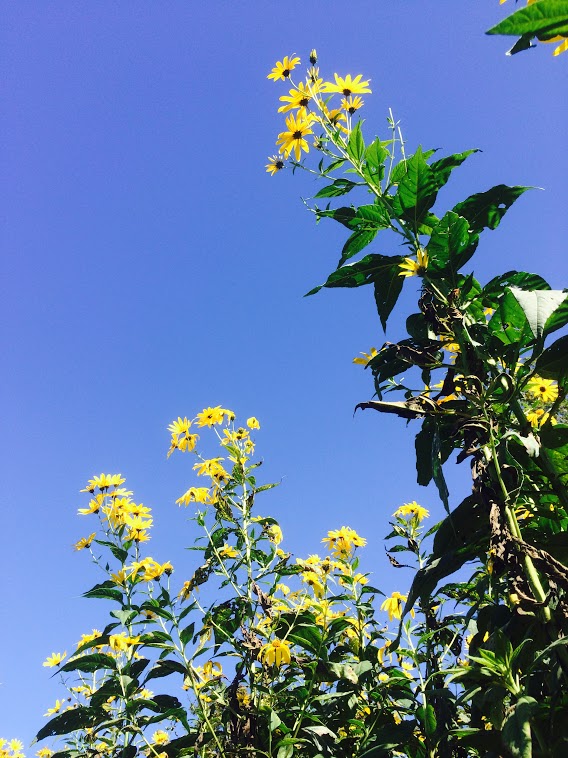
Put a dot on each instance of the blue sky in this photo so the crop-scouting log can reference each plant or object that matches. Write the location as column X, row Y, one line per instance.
column 151, row 268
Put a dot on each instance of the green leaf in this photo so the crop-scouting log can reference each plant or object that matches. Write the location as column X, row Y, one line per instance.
column 423, row 446
column 451, row 244
column 558, row 319
column 356, row 144
column 68, row 721
column 509, row 322
column 486, row 209
column 553, row 362
column 107, row 590
column 307, row 637
column 417, row 190
column 516, row 727
column 427, row 717
column 388, row 287
column 186, row 634
column 538, row 306
column 494, row 288
column 444, row 167
column 90, row 663
column 544, row 19
column 466, row 525
column 365, row 271
column 437, row 470
column 119, row 552
column 336, row 188
column 356, row 242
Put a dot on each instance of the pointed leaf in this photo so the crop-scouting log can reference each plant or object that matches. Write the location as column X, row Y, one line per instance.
column 553, row 362
column 538, row 306
column 486, row 209
column 356, row 242
column 545, row 19
column 68, row 721
column 444, row 167
column 356, row 144
column 451, row 243
column 365, row 271
column 338, row 187
column 517, row 728
column 90, row 663
column 388, row 287
column 417, row 190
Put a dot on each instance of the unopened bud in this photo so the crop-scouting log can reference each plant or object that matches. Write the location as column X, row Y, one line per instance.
column 313, row 57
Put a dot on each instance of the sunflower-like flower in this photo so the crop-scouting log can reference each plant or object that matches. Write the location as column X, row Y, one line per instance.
column 393, row 605
column 275, row 164
column 299, row 98
column 347, row 86
column 352, row 104
column 275, row 653
column 294, row 139
column 366, row 357
column 54, row 659
column 283, row 68
column 411, row 267
column 85, row 542
column 413, row 510
column 545, row 390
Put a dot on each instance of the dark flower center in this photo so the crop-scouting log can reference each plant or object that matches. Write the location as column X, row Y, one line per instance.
column 346, row 92
column 304, row 101
column 297, row 135
column 286, row 72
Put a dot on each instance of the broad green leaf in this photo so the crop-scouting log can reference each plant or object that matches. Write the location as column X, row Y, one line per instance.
column 451, row 244
column 517, row 729
column 486, row 209
column 558, row 319
column 466, row 524
column 544, row 19
column 356, row 144
column 494, row 288
column 538, row 306
column 165, row 668
column 186, row 634
column 355, row 243
column 68, row 721
column 275, row 720
column 338, row 187
column 119, row 552
column 444, row 167
column 307, row 637
column 388, row 287
column 373, row 216
column 553, row 362
column 554, row 436
column 417, row 190
column 342, row 215
column 90, row 663
column 423, row 446
column 107, row 590
column 365, row 271
column 509, row 322
column 427, row 717
column 437, row 470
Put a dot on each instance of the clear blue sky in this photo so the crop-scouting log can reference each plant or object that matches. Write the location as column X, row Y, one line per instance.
column 151, row 267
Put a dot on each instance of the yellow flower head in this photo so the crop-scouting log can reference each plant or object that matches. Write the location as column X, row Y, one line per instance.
column 195, row 494
column 347, row 86
column 227, row 551
column 210, row 416
column 298, row 98
column 366, row 357
column 160, row 737
column 538, row 417
column 54, row 659
column 275, row 653
column 85, row 542
column 252, row 423
column 352, row 104
column 103, row 482
column 342, row 542
column 294, row 138
column 275, row 164
column 283, row 68
column 274, row 534
column 393, row 605
column 545, row 390
column 413, row 510
column 411, row 267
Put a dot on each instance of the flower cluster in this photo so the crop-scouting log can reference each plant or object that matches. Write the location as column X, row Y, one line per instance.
column 307, row 109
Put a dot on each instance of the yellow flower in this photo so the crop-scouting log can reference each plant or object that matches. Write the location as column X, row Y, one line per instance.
column 243, row 696
column 160, row 737
column 298, row 98
column 275, row 653
column 122, row 642
column 94, row 505
column 252, row 423
column 411, row 267
column 283, row 68
column 56, row 708
column 54, row 659
column 383, row 677
column 545, row 390
column 210, row 467
column 274, row 533
column 228, row 552
column 313, row 580
column 342, row 542
column 538, row 417
column 210, row 416
column 181, row 426
column 352, row 104
column 195, row 494
column 85, row 542
column 366, row 357
column 103, row 482
column 393, row 605
column 275, row 164
column 298, row 127
column 44, row 752
column 347, row 86
column 381, row 652
column 413, row 510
